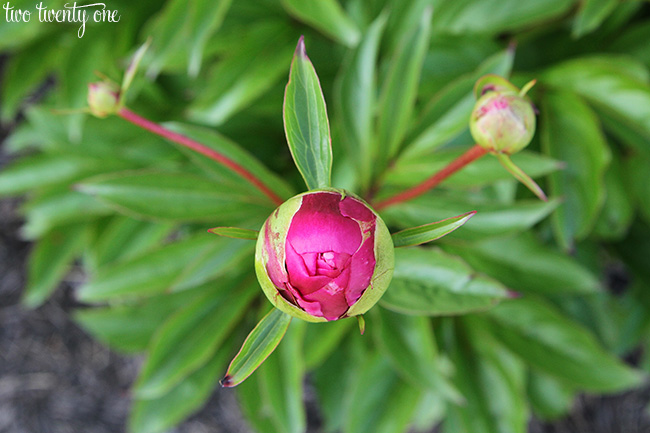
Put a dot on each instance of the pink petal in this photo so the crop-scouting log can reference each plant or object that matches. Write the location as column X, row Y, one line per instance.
column 318, row 226
column 362, row 266
column 299, row 275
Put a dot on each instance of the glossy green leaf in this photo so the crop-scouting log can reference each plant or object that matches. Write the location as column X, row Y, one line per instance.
column 571, row 133
column 123, row 239
column 357, row 99
column 446, row 116
column 172, row 196
column 180, row 32
column 524, row 264
column 25, row 72
column 159, row 414
column 235, row 233
column 236, row 153
column 618, row 88
column 557, row 345
column 246, row 73
column 379, row 400
column 432, row 283
column 429, row 232
column 60, row 208
column 493, row 382
column 305, row 122
column 322, row 339
column 520, row 175
column 132, row 69
column 259, row 344
column 491, row 218
column 468, row 16
column 636, row 170
column 399, row 90
column 326, row 16
column 591, row 14
column 50, row 260
column 149, row 273
column 192, row 336
column 618, row 210
column 408, row 342
column 281, row 382
column 549, row 397
column 129, row 327
column 51, row 170
column 413, row 169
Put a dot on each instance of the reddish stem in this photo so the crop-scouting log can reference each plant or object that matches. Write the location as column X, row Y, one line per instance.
column 472, row 154
column 200, row 148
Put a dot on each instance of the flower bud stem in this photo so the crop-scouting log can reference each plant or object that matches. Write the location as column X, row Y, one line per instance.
column 200, row 148
column 471, row 155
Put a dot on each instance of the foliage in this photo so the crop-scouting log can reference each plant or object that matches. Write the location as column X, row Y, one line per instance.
column 512, row 314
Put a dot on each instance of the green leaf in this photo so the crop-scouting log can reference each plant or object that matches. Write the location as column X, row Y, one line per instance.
column 357, row 90
column 159, row 414
column 549, row 398
column 618, row 210
column 429, row 232
column 379, row 401
column 26, row 70
column 173, row 196
column 129, row 327
column 191, row 336
column 445, row 117
column 124, row 238
column 411, row 170
column 281, row 382
column 617, row 86
column 492, row 17
column 259, row 344
column 322, row 339
column 399, row 91
column 247, row 71
column 491, row 218
column 235, row 233
column 235, row 152
column 571, row 133
column 432, row 283
column 177, row 266
column 51, row 170
column 408, row 342
column 149, row 273
column 591, row 15
column 180, row 31
column 305, row 122
column 492, row 380
column 132, row 69
column 520, row 175
column 50, row 261
column 326, row 16
column 524, row 264
column 553, row 343
column 60, row 208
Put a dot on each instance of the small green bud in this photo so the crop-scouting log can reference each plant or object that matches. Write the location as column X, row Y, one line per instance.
column 503, row 120
column 103, row 99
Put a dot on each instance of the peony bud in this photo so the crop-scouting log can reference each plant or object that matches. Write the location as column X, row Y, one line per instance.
column 103, row 99
column 324, row 255
column 503, row 120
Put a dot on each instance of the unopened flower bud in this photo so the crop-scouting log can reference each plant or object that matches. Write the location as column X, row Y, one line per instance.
column 503, row 120
column 103, row 99
column 324, row 255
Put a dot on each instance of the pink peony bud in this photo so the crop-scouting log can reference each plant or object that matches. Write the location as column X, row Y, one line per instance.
column 324, row 255
column 503, row 120
column 103, row 99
